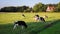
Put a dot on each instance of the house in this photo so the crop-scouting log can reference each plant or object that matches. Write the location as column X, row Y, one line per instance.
column 50, row 8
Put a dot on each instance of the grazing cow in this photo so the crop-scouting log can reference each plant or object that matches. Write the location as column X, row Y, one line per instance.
column 39, row 18
column 23, row 15
column 20, row 23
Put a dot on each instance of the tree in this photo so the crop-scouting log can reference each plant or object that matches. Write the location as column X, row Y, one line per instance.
column 14, row 9
column 8, row 9
column 58, row 7
column 38, row 7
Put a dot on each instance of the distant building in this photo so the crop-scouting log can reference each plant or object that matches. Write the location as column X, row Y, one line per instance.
column 50, row 8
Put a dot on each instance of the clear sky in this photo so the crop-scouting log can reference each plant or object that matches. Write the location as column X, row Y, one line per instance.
column 29, row 3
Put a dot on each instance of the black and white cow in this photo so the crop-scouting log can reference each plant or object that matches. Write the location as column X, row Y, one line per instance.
column 37, row 18
column 20, row 23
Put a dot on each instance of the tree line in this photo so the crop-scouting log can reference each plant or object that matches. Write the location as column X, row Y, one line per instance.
column 39, row 7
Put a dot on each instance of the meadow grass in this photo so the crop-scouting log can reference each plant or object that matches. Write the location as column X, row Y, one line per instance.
column 7, row 20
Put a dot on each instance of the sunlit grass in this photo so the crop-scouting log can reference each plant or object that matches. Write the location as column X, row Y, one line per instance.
column 12, row 17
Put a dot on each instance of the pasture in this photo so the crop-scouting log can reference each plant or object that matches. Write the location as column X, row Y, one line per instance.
column 52, row 25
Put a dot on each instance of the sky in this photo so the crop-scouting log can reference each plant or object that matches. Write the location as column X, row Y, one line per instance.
column 30, row 3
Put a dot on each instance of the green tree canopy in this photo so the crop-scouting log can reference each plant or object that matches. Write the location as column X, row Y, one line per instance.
column 38, row 7
column 58, row 7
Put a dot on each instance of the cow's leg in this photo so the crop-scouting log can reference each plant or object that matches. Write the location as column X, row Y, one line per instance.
column 22, row 27
column 15, row 26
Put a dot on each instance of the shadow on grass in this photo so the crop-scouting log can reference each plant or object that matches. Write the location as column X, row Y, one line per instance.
column 45, row 27
column 33, row 28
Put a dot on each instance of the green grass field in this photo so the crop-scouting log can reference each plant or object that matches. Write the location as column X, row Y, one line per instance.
column 52, row 25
